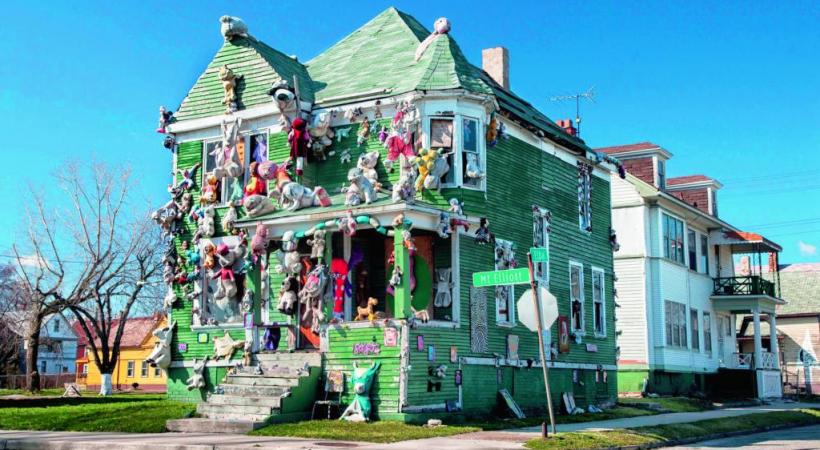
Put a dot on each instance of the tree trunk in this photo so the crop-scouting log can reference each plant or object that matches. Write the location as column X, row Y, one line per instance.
column 105, row 384
column 32, row 353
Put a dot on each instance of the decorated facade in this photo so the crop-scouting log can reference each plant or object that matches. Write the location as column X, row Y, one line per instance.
column 329, row 215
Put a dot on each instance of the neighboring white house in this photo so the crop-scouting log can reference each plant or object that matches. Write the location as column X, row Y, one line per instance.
column 58, row 343
column 677, row 293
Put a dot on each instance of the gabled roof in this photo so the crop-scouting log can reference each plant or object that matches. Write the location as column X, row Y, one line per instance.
column 800, row 287
column 615, row 149
column 257, row 63
column 135, row 332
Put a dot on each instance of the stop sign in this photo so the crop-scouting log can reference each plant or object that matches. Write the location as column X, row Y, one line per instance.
column 526, row 309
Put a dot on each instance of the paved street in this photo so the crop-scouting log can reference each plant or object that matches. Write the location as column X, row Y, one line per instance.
column 791, row 439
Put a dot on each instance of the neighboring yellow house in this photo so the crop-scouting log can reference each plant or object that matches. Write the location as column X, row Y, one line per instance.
column 136, row 344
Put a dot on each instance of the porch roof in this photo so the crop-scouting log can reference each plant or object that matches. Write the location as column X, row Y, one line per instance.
column 746, row 303
column 745, row 242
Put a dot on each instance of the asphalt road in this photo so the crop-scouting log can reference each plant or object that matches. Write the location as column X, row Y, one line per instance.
column 790, row 439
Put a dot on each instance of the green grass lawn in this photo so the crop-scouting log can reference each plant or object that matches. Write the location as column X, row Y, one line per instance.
column 671, row 404
column 618, row 412
column 44, row 392
column 664, row 433
column 382, row 431
column 126, row 412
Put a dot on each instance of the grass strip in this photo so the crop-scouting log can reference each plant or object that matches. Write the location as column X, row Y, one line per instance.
column 381, row 432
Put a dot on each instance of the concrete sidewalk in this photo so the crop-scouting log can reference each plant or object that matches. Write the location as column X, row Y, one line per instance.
column 485, row 440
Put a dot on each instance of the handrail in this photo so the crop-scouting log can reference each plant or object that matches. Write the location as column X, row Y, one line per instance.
column 748, row 285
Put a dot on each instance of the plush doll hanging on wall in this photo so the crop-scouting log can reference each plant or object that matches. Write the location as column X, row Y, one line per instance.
column 442, row 26
column 299, row 140
column 364, row 132
column 228, row 79
column 482, row 234
column 256, row 185
column 338, row 273
column 361, row 381
column 321, row 135
column 287, row 296
column 165, row 117
column 259, row 242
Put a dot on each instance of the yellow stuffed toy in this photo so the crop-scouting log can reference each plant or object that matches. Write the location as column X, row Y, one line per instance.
column 425, row 161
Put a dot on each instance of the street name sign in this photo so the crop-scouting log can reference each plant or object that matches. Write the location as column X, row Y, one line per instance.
column 501, row 277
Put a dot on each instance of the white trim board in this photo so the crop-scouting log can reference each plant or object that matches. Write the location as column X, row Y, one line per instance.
column 522, row 363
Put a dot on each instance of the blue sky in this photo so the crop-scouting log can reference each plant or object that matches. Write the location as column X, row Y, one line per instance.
column 730, row 88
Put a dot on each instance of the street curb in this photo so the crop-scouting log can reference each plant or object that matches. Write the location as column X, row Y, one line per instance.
column 710, row 437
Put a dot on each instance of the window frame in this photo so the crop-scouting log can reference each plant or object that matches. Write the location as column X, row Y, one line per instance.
column 597, row 271
column 582, row 322
column 511, row 319
column 707, row 330
column 129, row 369
column 204, row 280
column 245, row 136
column 544, row 216
column 694, row 329
column 457, row 148
column 143, row 369
column 669, row 252
column 584, row 187
column 692, row 249
column 704, row 253
column 479, row 151
column 675, row 325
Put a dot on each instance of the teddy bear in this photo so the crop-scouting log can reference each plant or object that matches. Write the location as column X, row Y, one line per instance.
column 368, row 312
column 317, row 244
column 210, row 192
column 289, row 259
column 364, row 133
column 367, row 163
column 209, row 261
column 437, row 168
column 226, row 287
column 360, row 188
column 473, row 171
column 287, row 296
column 258, row 205
column 228, row 79
column 259, row 242
column 205, row 224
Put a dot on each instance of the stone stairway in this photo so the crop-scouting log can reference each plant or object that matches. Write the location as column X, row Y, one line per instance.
column 277, row 384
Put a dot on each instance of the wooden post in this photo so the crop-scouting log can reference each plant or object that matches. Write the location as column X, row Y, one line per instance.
column 545, row 369
column 401, row 295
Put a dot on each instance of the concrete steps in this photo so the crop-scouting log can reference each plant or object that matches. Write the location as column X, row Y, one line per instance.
column 276, row 383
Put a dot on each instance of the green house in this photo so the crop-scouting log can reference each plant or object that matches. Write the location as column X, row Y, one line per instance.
column 514, row 180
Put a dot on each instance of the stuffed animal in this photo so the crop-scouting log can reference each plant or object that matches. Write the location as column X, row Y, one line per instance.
column 225, row 346
column 191, row 254
column 492, row 132
column 293, row 196
column 404, row 189
column 205, row 224
column 437, row 168
column 364, row 132
column 169, row 142
column 210, row 192
column 361, row 380
column 443, row 228
column 456, row 207
column 353, row 115
column 287, row 296
column 256, row 185
column 228, row 79
column 338, row 273
column 473, row 171
column 165, row 117
column 399, row 145
column 289, row 260
column 360, row 188
column 367, row 163
column 232, row 27
column 482, row 234
column 170, row 298
column 197, row 378
column 421, row 315
column 345, row 156
column 299, row 141
column 321, row 135
column 317, row 244
column 342, row 133
column 312, row 296
column 267, row 170
column 258, row 205
column 347, row 224
column 444, row 288
column 210, row 256
column 423, row 162
column 259, row 243
column 440, row 27
column 283, row 95
column 226, row 285
column 395, row 277
column 369, row 311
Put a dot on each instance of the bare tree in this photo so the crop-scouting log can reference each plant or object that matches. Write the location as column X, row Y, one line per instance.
column 114, row 252
column 11, row 323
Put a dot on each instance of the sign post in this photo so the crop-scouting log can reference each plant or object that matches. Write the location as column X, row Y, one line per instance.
column 540, row 332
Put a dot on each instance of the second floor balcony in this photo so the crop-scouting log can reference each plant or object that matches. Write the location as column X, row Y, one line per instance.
column 744, row 285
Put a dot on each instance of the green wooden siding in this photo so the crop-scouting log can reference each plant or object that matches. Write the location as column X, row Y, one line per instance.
column 340, row 356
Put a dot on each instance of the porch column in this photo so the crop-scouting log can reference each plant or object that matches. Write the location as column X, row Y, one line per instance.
column 402, row 296
column 758, row 338
column 773, row 340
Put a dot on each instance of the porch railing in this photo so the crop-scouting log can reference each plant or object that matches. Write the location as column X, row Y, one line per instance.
column 746, row 361
column 742, row 360
column 768, row 361
column 751, row 285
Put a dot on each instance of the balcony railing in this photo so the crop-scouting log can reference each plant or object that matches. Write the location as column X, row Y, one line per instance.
column 751, row 285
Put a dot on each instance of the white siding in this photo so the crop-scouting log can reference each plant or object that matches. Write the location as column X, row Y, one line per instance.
column 631, row 313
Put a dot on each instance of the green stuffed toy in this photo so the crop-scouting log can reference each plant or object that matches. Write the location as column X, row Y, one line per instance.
column 361, row 380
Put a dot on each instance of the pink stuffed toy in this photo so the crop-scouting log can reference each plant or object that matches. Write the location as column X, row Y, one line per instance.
column 259, row 243
column 397, row 145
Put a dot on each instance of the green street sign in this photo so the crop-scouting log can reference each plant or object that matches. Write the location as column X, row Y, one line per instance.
column 501, row 277
column 539, row 255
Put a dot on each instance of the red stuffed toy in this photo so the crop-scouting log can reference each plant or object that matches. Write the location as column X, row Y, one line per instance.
column 299, row 140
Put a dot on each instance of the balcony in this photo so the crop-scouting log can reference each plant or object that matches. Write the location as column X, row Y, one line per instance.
column 748, row 285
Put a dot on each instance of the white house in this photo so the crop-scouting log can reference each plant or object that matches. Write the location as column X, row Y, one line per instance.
column 58, row 343
column 677, row 293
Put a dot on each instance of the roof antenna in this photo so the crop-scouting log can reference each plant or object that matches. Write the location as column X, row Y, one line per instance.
column 589, row 95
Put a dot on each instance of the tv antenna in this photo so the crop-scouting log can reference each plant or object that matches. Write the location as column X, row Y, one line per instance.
column 589, row 95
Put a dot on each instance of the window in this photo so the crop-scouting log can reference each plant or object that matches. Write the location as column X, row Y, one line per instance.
column 56, row 325
column 130, row 369
column 441, row 137
column 144, row 369
column 157, row 372
column 576, row 293
column 675, row 318
column 206, row 310
column 704, row 253
column 707, row 332
column 661, row 174
column 693, row 319
column 541, row 221
column 43, row 367
column 713, row 195
column 472, row 167
column 598, row 304
column 692, row 245
column 85, row 369
column 728, row 326
column 585, row 196
column 233, row 188
column 504, row 295
column 672, row 238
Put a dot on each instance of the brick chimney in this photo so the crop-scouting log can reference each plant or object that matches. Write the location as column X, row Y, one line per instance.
column 567, row 126
column 496, row 62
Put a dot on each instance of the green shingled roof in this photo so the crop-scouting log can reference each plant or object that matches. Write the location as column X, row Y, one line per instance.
column 800, row 287
column 258, row 64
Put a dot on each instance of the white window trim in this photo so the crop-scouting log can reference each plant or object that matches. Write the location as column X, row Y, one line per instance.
column 244, row 135
column 704, row 328
column 692, row 328
column 543, row 212
column 662, row 247
column 511, row 301
column 204, row 280
column 129, row 369
column 144, row 370
column 582, row 331
column 458, row 150
column 594, row 271
column 589, row 207
column 685, row 325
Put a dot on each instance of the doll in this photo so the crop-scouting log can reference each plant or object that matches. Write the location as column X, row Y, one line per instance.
column 299, row 140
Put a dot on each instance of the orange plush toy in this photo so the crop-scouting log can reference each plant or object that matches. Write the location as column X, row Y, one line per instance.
column 256, row 185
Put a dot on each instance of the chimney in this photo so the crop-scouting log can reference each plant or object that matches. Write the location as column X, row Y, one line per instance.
column 496, row 62
column 567, row 126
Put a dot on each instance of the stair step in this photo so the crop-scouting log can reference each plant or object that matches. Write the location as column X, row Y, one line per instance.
column 245, row 400
column 284, row 372
column 206, row 425
column 236, row 417
column 209, row 410
column 254, row 391
column 312, row 358
column 247, row 380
